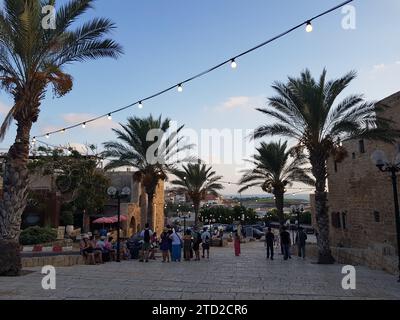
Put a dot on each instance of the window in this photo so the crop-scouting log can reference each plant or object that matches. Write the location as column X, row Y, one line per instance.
column 377, row 216
column 336, row 220
column 361, row 146
column 344, row 220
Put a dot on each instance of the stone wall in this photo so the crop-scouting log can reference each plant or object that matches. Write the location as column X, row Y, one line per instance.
column 55, row 261
column 361, row 194
column 360, row 200
column 374, row 257
column 136, row 210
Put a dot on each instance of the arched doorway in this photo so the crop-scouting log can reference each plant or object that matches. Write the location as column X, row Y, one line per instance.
column 132, row 226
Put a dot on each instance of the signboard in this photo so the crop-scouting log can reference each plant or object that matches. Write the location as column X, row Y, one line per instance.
column 60, row 233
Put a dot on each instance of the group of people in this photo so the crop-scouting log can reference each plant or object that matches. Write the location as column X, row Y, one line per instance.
column 102, row 250
column 171, row 245
column 284, row 241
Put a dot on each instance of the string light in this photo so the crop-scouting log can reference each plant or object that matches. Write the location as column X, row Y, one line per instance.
column 309, row 27
column 84, row 125
column 63, row 130
column 232, row 62
column 48, row 136
column 109, row 116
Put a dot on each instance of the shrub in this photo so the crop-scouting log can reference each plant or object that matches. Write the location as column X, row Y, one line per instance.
column 67, row 218
column 37, row 235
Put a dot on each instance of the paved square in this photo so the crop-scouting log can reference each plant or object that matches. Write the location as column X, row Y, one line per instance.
column 224, row 277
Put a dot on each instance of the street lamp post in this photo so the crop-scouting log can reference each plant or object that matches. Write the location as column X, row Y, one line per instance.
column 184, row 217
column 381, row 161
column 118, row 194
column 298, row 210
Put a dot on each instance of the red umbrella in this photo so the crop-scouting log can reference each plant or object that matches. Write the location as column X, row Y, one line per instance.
column 123, row 218
column 104, row 220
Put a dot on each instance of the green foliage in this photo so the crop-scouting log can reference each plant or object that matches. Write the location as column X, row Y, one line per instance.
column 67, row 218
column 33, row 57
column 79, row 179
column 37, row 235
column 197, row 180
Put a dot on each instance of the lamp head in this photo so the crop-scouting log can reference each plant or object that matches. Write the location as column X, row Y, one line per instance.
column 112, row 191
column 126, row 191
column 379, row 158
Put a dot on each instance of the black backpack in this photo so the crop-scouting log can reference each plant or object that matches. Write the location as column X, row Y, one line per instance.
column 146, row 237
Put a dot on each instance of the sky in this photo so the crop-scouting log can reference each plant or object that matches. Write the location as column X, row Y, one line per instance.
column 168, row 41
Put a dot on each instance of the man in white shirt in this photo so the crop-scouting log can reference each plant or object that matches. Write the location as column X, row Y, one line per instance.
column 206, row 239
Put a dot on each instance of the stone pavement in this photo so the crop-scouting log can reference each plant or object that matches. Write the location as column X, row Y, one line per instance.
column 224, row 277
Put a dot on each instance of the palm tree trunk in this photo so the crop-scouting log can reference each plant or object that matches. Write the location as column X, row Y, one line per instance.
column 196, row 212
column 279, row 206
column 150, row 209
column 12, row 206
column 319, row 171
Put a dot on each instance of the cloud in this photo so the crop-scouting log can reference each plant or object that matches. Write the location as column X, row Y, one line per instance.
column 398, row 62
column 379, row 67
column 103, row 123
column 240, row 102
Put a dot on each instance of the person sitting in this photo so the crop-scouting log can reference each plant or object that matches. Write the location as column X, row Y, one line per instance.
column 101, row 245
column 87, row 250
column 97, row 252
column 109, row 246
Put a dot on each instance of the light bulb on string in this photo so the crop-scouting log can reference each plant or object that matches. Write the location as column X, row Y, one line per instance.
column 309, row 27
column 109, row 117
column 63, row 130
column 48, row 136
column 84, row 125
column 233, row 64
column 140, row 105
column 180, row 88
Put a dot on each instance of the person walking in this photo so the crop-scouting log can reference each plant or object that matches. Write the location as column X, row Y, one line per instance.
column 206, row 239
column 187, row 246
column 236, row 238
column 269, row 243
column 176, row 247
column 196, row 243
column 301, row 239
column 286, row 242
column 164, row 245
column 146, row 234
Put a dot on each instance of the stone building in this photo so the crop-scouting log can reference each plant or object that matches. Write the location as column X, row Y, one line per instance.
column 361, row 205
column 135, row 207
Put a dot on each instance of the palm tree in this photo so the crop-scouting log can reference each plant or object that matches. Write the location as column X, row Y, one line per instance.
column 305, row 110
column 145, row 145
column 197, row 180
column 274, row 171
column 31, row 59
